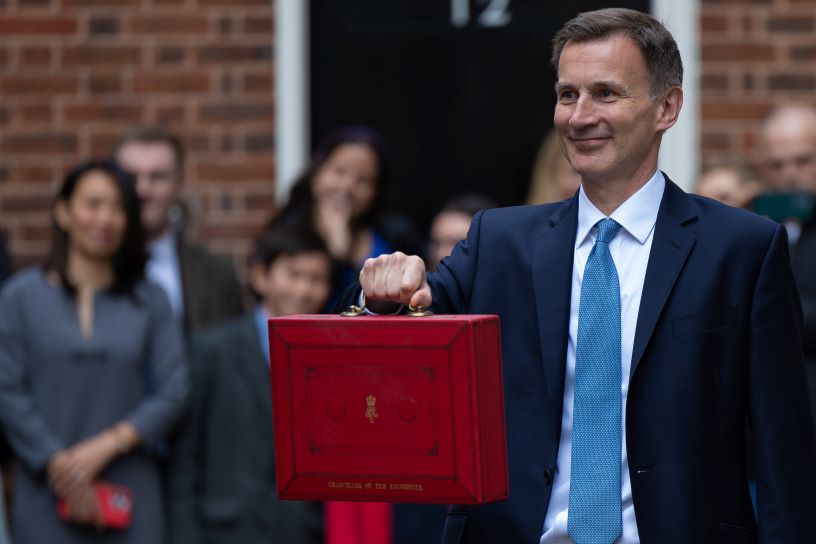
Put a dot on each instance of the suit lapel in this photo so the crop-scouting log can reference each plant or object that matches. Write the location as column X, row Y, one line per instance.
column 552, row 283
column 670, row 248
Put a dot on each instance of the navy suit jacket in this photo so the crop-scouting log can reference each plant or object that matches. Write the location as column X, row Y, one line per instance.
column 717, row 346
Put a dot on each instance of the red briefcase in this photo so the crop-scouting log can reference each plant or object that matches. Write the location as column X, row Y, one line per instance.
column 391, row 408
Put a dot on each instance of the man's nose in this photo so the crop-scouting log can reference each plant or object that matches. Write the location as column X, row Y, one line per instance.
column 583, row 114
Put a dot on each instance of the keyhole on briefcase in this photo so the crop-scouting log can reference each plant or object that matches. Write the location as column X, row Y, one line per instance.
column 408, row 410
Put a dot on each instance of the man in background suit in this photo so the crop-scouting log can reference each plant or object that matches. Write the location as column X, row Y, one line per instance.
column 789, row 147
column 202, row 287
column 671, row 320
column 223, row 467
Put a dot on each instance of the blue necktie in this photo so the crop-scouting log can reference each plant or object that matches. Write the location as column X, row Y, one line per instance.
column 595, row 488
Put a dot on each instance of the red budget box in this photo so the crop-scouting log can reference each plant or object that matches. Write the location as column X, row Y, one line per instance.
column 388, row 408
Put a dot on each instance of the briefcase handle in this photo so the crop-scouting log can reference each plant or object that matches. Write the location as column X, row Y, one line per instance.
column 357, row 311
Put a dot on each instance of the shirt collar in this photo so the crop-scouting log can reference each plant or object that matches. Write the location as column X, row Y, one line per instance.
column 261, row 317
column 637, row 215
column 164, row 244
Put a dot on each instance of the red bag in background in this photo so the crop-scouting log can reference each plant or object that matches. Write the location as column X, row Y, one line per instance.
column 115, row 504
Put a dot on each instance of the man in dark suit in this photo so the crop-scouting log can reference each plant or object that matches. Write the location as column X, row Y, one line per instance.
column 642, row 328
column 202, row 287
column 788, row 141
column 223, row 469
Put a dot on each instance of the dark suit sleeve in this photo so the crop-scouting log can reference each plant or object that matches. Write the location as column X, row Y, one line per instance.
column 783, row 442
column 186, row 462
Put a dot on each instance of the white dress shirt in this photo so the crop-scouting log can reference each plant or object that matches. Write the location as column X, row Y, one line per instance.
column 630, row 252
column 163, row 269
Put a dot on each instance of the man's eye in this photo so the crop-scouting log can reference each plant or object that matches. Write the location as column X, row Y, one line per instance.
column 567, row 95
column 606, row 93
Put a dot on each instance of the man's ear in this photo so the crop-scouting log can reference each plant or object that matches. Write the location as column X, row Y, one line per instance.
column 670, row 109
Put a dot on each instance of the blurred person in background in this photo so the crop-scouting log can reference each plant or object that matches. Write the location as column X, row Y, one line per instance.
column 342, row 196
column 731, row 183
column 202, row 287
column 223, row 468
column 5, row 449
column 789, row 147
column 451, row 224
column 92, row 368
column 553, row 178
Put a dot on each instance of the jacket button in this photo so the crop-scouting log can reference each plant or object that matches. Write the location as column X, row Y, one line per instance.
column 548, row 476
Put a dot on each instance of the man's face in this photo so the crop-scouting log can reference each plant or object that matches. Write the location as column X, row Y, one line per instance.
column 447, row 229
column 609, row 126
column 158, row 181
column 293, row 284
column 790, row 155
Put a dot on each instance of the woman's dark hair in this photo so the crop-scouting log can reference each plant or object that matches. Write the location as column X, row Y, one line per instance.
column 301, row 199
column 130, row 258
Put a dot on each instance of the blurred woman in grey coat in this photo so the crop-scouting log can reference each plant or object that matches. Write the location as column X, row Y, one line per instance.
column 92, row 369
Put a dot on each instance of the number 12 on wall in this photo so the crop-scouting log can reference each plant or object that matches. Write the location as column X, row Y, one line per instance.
column 495, row 13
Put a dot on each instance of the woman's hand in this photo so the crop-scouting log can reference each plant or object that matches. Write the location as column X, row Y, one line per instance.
column 333, row 223
column 70, row 470
column 83, row 506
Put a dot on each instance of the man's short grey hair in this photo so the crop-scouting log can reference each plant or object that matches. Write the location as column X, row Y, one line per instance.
column 652, row 38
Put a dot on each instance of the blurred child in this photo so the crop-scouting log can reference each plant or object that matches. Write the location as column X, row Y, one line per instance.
column 223, row 473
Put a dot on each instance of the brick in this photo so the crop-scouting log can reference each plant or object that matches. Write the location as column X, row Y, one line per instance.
column 170, row 25
column 39, row 113
column 791, row 24
column 713, row 23
column 4, row 116
column 170, row 114
column 88, row 113
column 34, row 3
column 803, row 52
column 26, row 203
column 32, row 173
column 100, row 55
column 260, row 142
column 37, row 25
column 225, row 25
column 171, row 55
column 102, row 143
column 35, row 56
column 715, row 141
column 791, row 82
column 48, row 142
column 258, row 83
column 172, row 83
column 234, row 53
column 248, row 169
column 44, row 84
column 259, row 202
column 101, row 3
column 258, row 24
column 30, row 233
column 731, row 110
column 714, row 82
column 4, row 56
column 233, row 3
column 104, row 26
column 237, row 231
column 236, row 111
column 742, row 51
column 100, row 84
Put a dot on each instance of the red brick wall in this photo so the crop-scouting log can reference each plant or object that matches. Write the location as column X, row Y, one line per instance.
column 755, row 54
column 75, row 73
